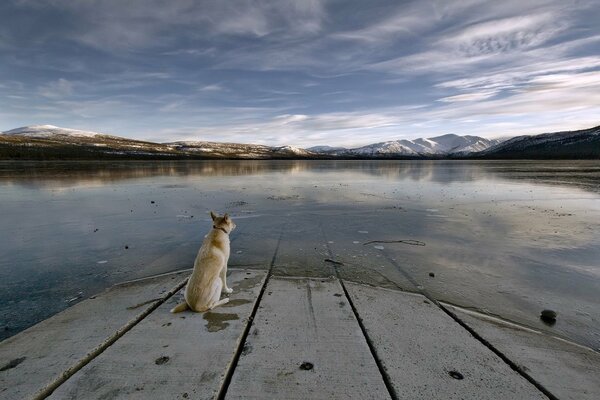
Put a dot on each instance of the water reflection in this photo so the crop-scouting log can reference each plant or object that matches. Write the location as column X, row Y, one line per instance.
column 583, row 173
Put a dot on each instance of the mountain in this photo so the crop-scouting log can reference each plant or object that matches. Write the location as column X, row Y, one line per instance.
column 239, row 150
column 435, row 146
column 583, row 144
column 51, row 142
column 48, row 131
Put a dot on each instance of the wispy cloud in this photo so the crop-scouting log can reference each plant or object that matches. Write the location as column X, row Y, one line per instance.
column 505, row 35
column 495, row 41
column 211, row 88
column 56, row 89
column 300, row 72
column 407, row 21
column 514, row 76
column 114, row 24
column 476, row 96
column 304, row 130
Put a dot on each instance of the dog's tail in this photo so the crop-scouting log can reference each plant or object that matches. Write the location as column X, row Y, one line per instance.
column 180, row 307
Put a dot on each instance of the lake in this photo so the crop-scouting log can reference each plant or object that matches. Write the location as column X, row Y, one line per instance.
column 507, row 239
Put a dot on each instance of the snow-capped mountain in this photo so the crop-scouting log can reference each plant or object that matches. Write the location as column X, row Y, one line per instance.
column 451, row 144
column 293, row 150
column 434, row 146
column 46, row 131
column 395, row 147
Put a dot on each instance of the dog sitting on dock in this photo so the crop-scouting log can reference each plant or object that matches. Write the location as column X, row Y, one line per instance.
column 208, row 280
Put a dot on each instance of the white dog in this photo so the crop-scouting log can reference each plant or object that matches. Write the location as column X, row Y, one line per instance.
column 208, row 280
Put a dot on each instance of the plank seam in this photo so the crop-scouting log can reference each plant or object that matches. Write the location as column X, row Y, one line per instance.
column 47, row 391
column 384, row 375
column 474, row 333
column 496, row 351
column 238, row 352
column 497, row 320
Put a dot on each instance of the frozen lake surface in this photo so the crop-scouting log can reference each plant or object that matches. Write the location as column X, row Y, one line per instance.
column 503, row 238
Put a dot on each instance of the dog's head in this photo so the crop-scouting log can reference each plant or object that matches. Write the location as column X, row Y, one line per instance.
column 224, row 222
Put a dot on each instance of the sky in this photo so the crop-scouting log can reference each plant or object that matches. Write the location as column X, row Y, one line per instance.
column 304, row 73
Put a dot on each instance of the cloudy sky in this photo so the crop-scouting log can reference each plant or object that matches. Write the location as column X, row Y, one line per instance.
column 306, row 72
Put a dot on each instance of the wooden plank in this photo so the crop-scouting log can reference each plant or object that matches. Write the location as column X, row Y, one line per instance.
column 36, row 359
column 306, row 321
column 419, row 346
column 567, row 370
column 167, row 356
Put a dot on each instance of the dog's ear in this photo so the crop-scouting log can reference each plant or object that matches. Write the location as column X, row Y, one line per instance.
column 226, row 216
column 213, row 215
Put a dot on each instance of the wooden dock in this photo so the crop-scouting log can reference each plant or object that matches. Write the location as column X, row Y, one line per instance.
column 287, row 337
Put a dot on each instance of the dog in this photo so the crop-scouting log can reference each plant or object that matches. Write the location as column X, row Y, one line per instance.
column 209, row 278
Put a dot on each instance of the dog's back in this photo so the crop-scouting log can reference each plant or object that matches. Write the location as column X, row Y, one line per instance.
column 204, row 286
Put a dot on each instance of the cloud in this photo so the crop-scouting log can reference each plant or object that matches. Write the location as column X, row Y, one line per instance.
column 299, row 72
column 263, row 18
column 514, row 76
column 137, row 24
column 472, row 45
column 211, row 88
column 56, row 89
column 407, row 21
column 505, row 35
column 301, row 129
column 556, row 82
column 469, row 97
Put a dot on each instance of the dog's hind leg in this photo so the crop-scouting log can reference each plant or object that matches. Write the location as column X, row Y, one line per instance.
column 223, row 274
column 224, row 300
column 214, row 301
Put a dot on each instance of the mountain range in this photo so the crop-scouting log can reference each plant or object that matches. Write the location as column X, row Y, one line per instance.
column 435, row 146
column 51, row 142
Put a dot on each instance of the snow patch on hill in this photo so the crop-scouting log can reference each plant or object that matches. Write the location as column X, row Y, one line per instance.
column 46, row 131
column 294, row 150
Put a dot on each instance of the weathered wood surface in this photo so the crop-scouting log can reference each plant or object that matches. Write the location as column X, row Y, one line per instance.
column 36, row 359
column 419, row 346
column 167, row 356
column 305, row 342
column 567, row 370
column 303, row 321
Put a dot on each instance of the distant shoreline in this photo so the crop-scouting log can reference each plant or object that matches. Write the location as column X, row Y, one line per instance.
column 49, row 157
column 48, row 143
